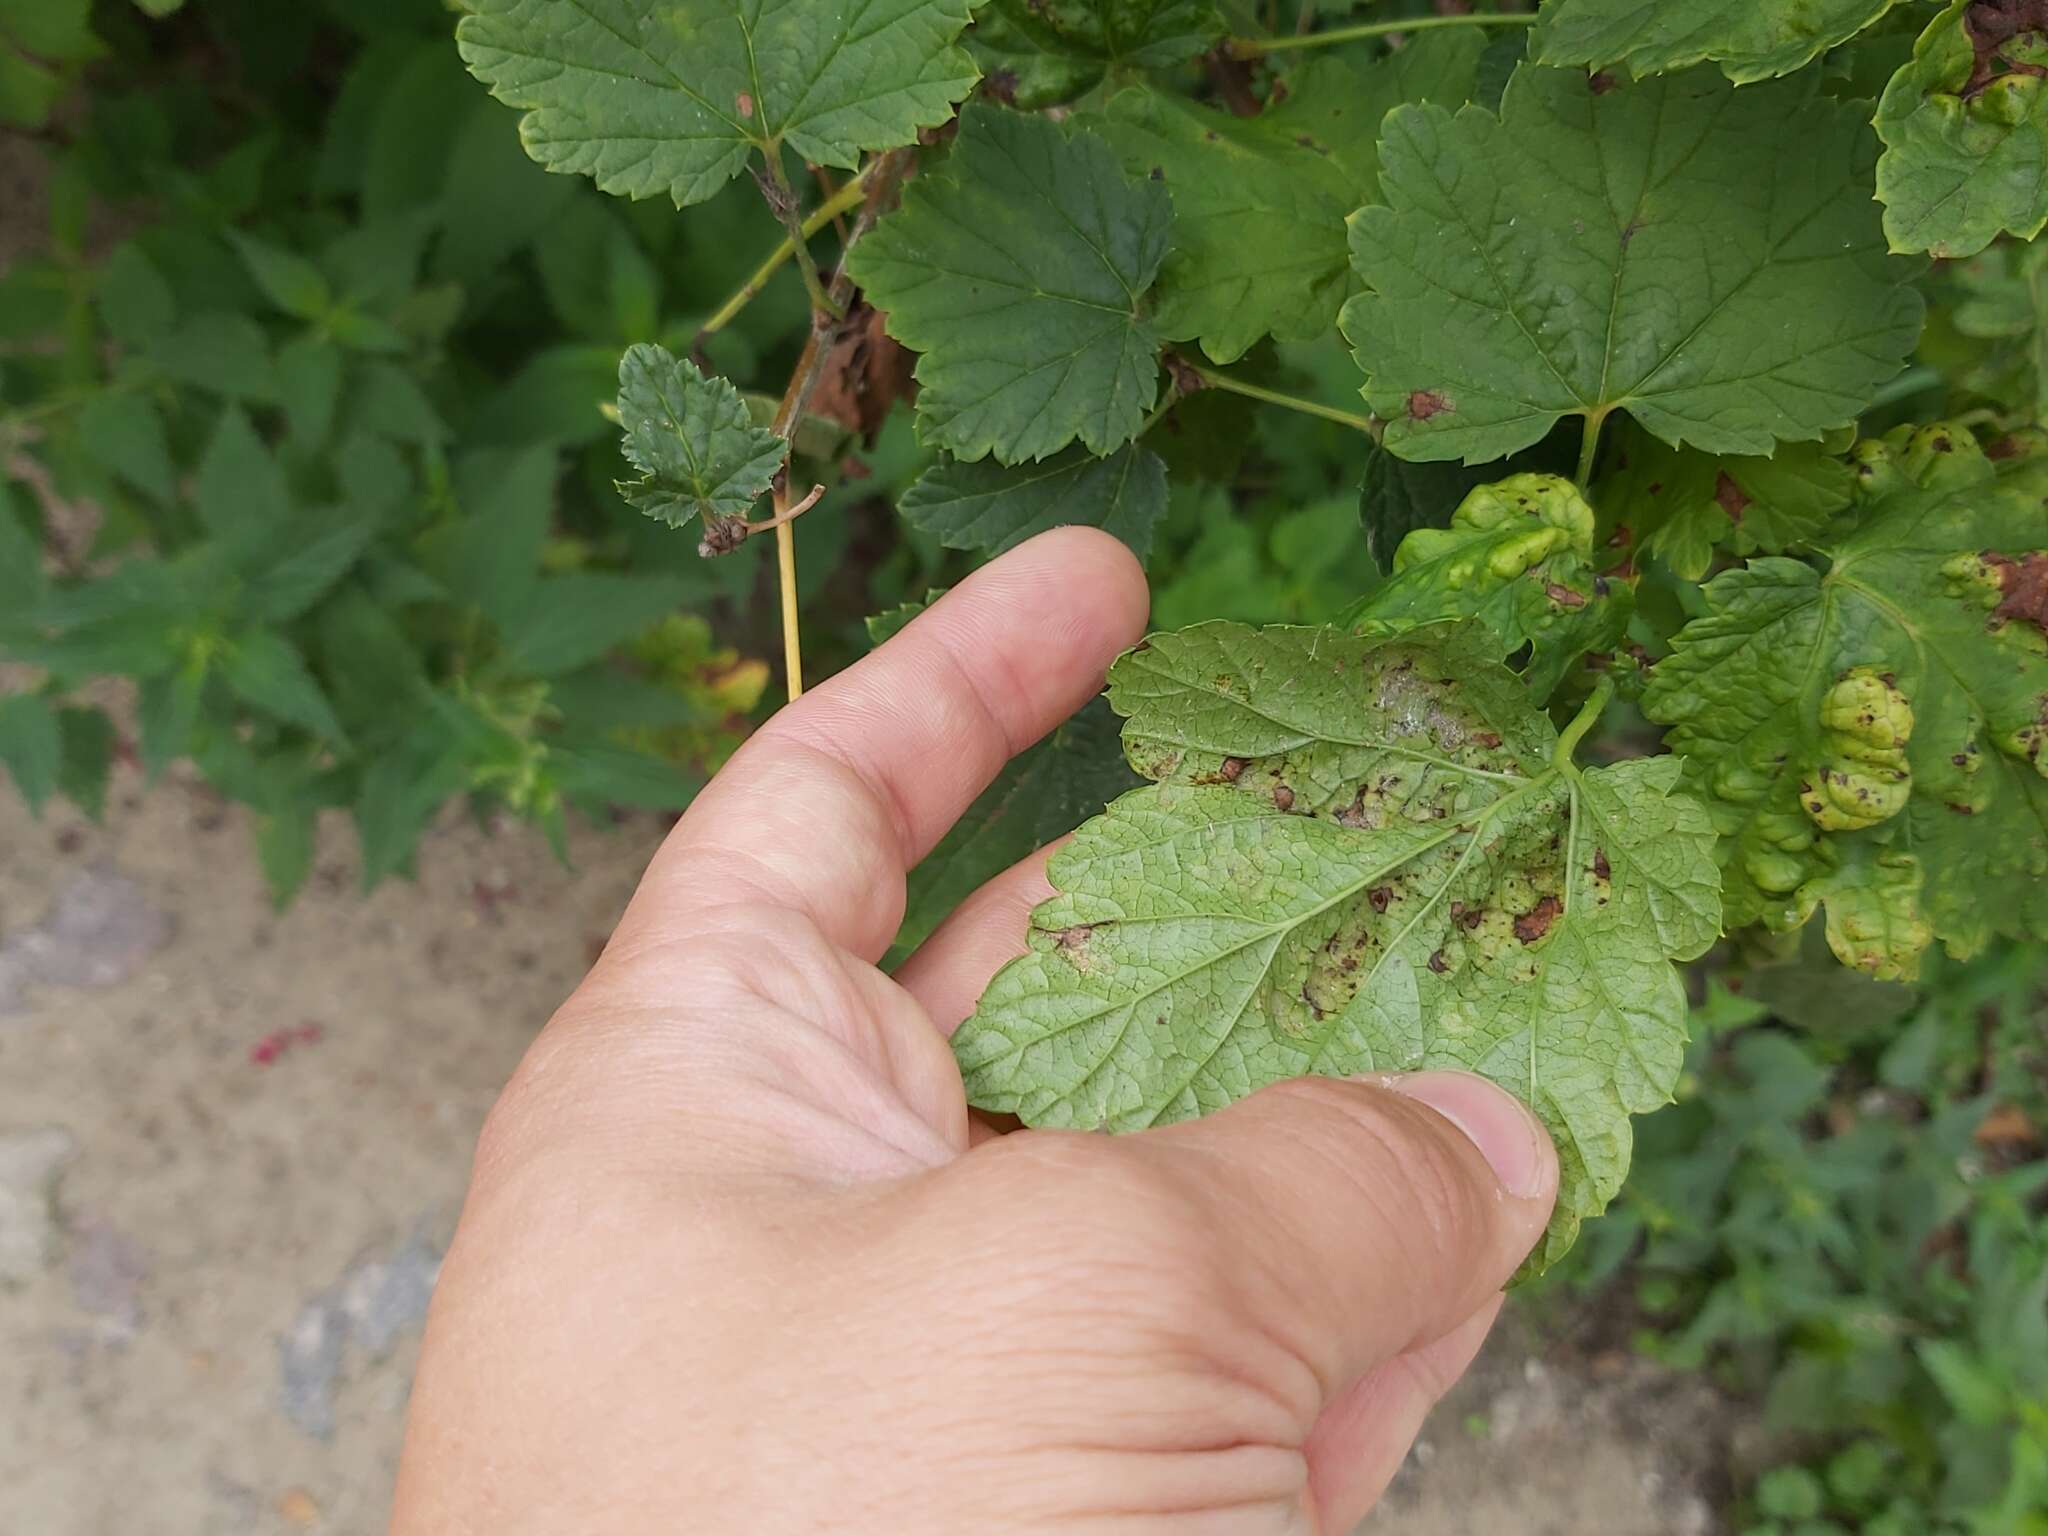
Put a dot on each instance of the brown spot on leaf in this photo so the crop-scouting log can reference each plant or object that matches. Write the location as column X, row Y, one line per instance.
column 2022, row 586
column 1535, row 923
column 1438, row 963
column 1381, row 896
column 1233, row 769
column 1487, row 738
column 1731, row 497
column 1283, row 798
column 1601, row 82
column 1990, row 25
column 1076, row 937
column 1962, row 810
column 1564, row 596
column 744, row 103
column 1425, row 403
column 1601, row 868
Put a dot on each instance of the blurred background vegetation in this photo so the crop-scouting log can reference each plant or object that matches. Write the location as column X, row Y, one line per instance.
column 302, row 363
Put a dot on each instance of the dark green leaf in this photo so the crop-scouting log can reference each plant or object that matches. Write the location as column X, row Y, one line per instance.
column 992, row 507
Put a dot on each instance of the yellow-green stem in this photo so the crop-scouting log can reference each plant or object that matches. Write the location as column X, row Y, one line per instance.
column 1224, row 381
column 844, row 200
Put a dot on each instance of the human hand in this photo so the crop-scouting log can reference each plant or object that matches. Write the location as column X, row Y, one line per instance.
column 735, row 1258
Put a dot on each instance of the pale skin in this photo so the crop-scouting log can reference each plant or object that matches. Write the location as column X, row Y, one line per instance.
column 737, row 1258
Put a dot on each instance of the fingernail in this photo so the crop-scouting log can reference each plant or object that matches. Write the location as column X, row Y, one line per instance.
column 1511, row 1139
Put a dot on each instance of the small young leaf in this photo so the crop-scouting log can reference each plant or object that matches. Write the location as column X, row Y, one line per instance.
column 286, row 837
column 692, row 439
column 1019, row 269
column 1548, row 263
column 1898, row 700
column 653, row 96
column 268, row 673
column 1517, row 556
column 1259, row 202
column 241, row 492
column 1042, row 794
column 1362, row 858
column 126, row 433
column 1750, row 39
column 1966, row 139
column 887, row 625
column 991, row 507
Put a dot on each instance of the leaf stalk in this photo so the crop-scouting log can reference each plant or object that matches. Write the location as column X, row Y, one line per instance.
column 1255, row 47
column 844, row 200
column 1588, row 716
column 1224, row 381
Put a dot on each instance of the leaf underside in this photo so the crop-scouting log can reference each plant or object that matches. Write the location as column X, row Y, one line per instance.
column 1357, row 857
column 994, row 507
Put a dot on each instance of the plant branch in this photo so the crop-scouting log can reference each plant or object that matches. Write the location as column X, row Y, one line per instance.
column 847, row 197
column 1224, row 381
column 795, row 512
column 880, row 183
column 1254, row 47
column 782, row 202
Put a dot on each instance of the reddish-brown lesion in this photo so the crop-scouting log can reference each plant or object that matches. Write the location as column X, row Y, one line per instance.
column 1991, row 26
column 2022, row 587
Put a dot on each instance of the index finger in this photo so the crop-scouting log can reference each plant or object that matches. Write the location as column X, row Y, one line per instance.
column 832, row 801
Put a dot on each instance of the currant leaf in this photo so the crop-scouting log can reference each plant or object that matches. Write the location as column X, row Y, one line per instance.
column 1895, row 706
column 1965, row 127
column 1517, row 556
column 1130, row 34
column 693, row 440
column 1750, row 39
column 1645, row 248
column 1683, row 506
column 991, row 507
column 1020, row 271
column 1362, row 859
column 1259, row 202
column 654, row 96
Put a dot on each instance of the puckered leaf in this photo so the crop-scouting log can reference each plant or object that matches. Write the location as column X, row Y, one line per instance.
column 1259, row 202
column 1362, row 858
column 1966, row 135
column 692, row 439
column 1682, row 506
column 991, row 506
column 1043, row 794
column 1647, row 248
column 1517, row 556
column 1894, row 708
column 653, row 96
column 1020, row 270
column 1749, row 39
column 1397, row 496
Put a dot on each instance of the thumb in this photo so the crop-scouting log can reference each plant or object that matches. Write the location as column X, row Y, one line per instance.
column 1363, row 1219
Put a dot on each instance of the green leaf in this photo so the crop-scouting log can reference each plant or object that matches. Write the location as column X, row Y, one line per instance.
column 1397, row 496
column 693, row 440
column 887, row 625
column 310, row 567
column 1682, row 506
column 1259, row 202
column 136, row 303
column 992, row 507
column 1361, row 858
column 167, row 711
column 287, row 279
column 1750, row 39
column 602, row 775
column 575, row 619
column 1966, row 153
column 652, row 96
column 22, row 583
column 388, row 400
column 266, row 671
column 31, row 747
column 1896, row 701
column 240, row 490
column 1042, row 794
column 88, row 759
column 1131, row 34
column 1548, row 263
column 286, row 839
column 126, row 433
column 1517, row 556
column 309, row 386
column 1019, row 269
column 226, row 355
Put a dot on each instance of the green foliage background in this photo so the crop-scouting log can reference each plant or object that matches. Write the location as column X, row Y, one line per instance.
column 310, row 482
